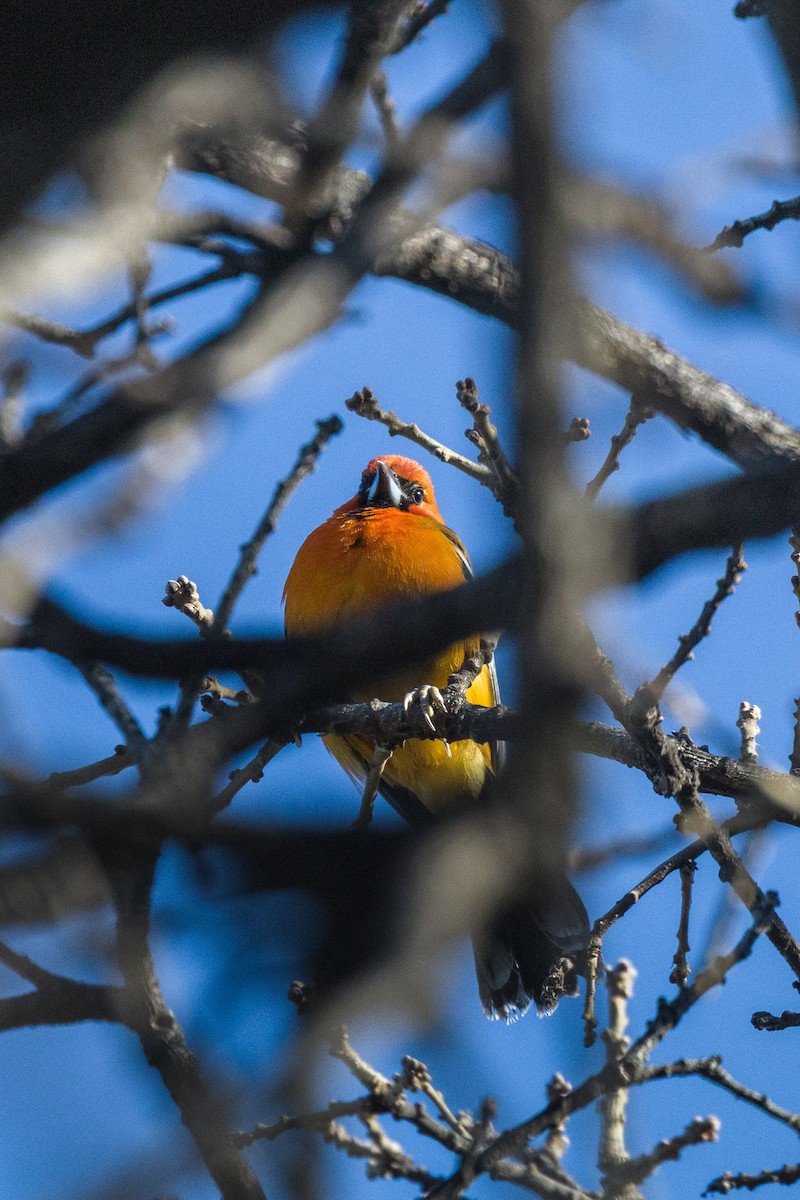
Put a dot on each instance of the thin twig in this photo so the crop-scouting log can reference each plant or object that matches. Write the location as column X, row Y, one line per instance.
column 485, row 437
column 245, row 568
column 698, row 1132
column 687, row 642
column 676, row 862
column 682, row 970
column 104, row 687
column 365, row 404
column 671, row 1013
column 734, row 235
column 676, row 778
column 251, row 773
column 637, row 414
column 420, row 18
column 386, row 109
column 13, row 380
column 120, row 760
column 712, row 1070
column 731, row 1183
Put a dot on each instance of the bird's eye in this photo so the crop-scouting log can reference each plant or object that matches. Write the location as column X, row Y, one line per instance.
column 417, row 494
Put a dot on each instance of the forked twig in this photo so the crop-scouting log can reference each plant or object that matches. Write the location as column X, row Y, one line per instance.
column 365, row 404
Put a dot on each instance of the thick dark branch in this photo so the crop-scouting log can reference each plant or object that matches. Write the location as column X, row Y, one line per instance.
column 695, row 400
column 69, row 1003
column 699, row 518
column 482, row 278
column 371, row 34
column 143, row 1009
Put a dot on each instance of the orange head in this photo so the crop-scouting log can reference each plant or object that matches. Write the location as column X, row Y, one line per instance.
column 393, row 481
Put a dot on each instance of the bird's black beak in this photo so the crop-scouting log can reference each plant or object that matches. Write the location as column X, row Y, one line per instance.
column 385, row 490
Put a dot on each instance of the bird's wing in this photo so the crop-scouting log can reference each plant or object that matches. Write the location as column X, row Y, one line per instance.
column 498, row 749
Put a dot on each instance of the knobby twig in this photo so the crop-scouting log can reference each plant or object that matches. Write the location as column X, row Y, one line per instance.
column 104, row 687
column 712, row 1070
column 766, row 1021
column 688, row 642
column 749, row 716
column 613, row 1151
column 734, row 235
column 682, row 970
column 251, row 773
column 245, row 568
column 698, row 1132
column 729, row 1182
column 182, row 594
column 631, row 1069
column 485, row 438
column 643, row 722
column 365, row 404
column 637, row 414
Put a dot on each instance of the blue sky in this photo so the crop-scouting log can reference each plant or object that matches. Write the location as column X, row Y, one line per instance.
column 670, row 98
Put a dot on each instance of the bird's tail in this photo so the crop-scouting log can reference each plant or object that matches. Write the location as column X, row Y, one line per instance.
column 532, row 952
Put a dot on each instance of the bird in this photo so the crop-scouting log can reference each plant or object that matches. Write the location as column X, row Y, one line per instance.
column 389, row 543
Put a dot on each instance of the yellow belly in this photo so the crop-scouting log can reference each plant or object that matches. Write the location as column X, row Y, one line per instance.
column 349, row 566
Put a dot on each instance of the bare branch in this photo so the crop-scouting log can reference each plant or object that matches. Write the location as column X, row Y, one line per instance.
column 734, row 235
column 245, row 569
column 365, row 404
column 682, row 970
column 687, row 642
column 637, row 414
column 730, row 1183
column 484, row 435
column 614, row 1155
column 712, row 1070
column 104, row 687
column 698, row 1132
column 766, row 1021
column 749, row 716
column 251, row 773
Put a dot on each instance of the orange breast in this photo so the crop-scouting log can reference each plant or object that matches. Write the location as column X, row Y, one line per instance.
column 356, row 563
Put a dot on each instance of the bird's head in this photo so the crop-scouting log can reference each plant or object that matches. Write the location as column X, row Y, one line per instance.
column 392, row 481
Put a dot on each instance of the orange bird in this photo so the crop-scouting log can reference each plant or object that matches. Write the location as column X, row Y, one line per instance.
column 390, row 543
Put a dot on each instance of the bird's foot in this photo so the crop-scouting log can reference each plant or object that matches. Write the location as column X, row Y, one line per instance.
column 429, row 700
